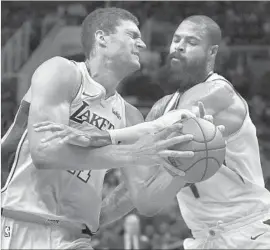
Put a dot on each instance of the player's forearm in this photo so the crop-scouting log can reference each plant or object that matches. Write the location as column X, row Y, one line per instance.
column 151, row 189
column 131, row 134
column 164, row 189
column 115, row 205
column 71, row 157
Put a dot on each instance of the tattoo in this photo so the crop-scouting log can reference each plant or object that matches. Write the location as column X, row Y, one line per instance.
column 115, row 205
column 119, row 194
column 154, row 176
column 158, row 109
column 98, row 138
column 101, row 140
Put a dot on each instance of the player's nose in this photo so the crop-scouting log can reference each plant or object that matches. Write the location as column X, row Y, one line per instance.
column 180, row 47
column 141, row 44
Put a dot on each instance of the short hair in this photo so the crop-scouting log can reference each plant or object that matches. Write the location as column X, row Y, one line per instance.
column 106, row 19
column 209, row 25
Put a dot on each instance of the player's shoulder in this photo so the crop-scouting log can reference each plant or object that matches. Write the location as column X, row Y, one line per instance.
column 163, row 101
column 224, row 84
column 57, row 67
column 57, row 74
column 158, row 108
column 133, row 115
column 223, row 88
column 237, row 109
column 220, row 82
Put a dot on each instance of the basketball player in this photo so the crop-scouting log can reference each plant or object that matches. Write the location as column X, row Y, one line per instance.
column 52, row 197
column 231, row 209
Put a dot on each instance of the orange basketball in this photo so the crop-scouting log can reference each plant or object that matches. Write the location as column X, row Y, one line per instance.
column 209, row 147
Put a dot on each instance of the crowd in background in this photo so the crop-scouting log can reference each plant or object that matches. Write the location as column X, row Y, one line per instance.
column 240, row 26
column 248, row 25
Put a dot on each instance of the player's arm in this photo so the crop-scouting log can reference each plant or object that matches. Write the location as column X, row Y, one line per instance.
column 96, row 138
column 115, row 205
column 220, row 100
column 54, row 86
column 151, row 188
column 118, row 203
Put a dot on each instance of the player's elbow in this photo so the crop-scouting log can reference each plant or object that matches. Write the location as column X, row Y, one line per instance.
column 146, row 208
column 39, row 157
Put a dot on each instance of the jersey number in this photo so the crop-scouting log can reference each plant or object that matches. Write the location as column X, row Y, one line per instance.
column 83, row 175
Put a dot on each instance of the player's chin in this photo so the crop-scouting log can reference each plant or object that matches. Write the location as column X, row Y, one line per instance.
column 135, row 65
column 178, row 72
column 176, row 65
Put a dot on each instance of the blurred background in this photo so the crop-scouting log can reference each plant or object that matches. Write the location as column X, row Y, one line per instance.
column 33, row 32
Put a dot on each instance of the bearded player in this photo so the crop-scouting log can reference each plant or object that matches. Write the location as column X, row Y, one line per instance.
column 231, row 209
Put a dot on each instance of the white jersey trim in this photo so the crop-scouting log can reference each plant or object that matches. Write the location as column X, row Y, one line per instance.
column 10, row 128
column 14, row 165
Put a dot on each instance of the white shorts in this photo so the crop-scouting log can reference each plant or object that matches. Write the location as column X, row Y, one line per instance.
column 25, row 235
column 250, row 233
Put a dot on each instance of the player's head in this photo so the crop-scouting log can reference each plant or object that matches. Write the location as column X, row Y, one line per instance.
column 113, row 34
column 194, row 46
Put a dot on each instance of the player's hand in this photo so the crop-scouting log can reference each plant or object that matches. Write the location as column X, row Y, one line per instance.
column 157, row 147
column 92, row 137
column 172, row 117
column 203, row 115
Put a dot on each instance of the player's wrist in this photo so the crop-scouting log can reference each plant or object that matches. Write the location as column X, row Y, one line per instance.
column 130, row 135
column 102, row 139
column 115, row 136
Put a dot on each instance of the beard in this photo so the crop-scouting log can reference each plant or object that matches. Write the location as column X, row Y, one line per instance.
column 187, row 72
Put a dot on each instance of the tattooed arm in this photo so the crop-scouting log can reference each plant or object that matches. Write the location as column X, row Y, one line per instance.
column 115, row 205
column 152, row 188
column 158, row 108
column 148, row 188
column 118, row 203
column 155, row 122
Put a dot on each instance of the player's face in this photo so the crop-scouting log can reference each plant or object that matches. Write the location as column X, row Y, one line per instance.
column 189, row 50
column 125, row 45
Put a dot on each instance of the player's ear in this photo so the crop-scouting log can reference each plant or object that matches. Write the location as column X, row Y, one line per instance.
column 100, row 38
column 214, row 50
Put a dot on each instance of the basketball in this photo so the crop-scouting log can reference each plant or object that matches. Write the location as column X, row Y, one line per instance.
column 209, row 147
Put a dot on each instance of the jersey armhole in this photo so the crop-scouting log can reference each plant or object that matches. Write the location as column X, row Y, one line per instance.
column 78, row 83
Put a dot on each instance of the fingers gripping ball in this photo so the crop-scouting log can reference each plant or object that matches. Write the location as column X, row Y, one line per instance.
column 209, row 148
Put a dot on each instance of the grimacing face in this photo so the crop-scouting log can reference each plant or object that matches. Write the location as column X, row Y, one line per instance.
column 124, row 46
column 189, row 49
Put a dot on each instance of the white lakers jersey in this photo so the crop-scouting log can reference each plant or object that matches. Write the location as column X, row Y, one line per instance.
column 54, row 195
column 236, row 190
